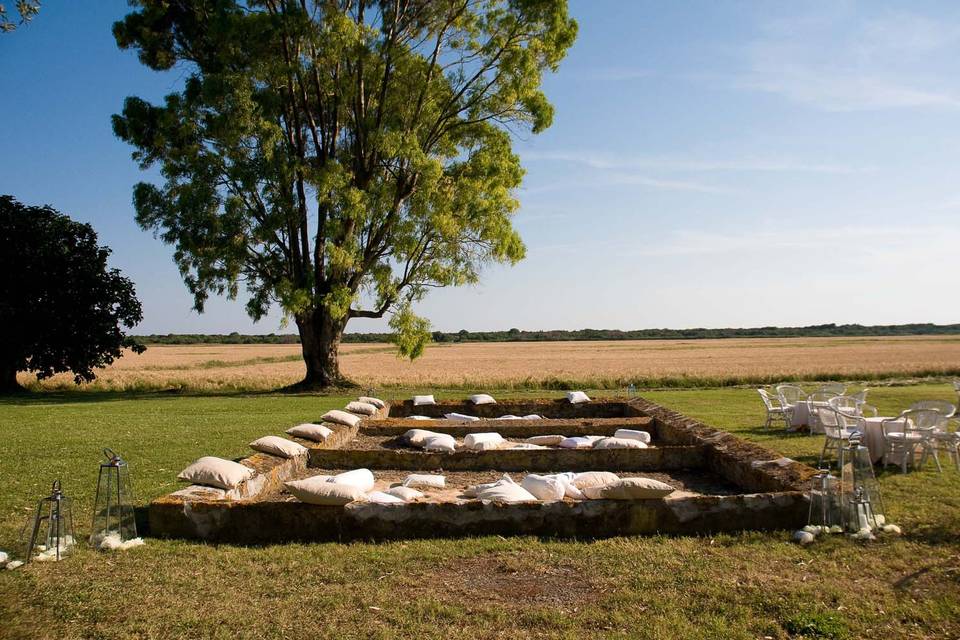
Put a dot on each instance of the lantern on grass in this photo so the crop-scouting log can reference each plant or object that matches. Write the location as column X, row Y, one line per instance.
column 860, row 495
column 825, row 515
column 113, row 517
column 51, row 534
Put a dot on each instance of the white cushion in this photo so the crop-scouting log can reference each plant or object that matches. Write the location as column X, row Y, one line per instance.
column 483, row 441
column 317, row 490
column 472, row 492
column 630, row 489
column 309, row 431
column 577, row 397
column 425, row 481
column 618, row 443
column 506, row 492
column 460, row 416
column 362, row 408
column 277, row 446
column 577, row 442
column 216, row 472
column 482, row 398
column 509, row 416
column 382, row 497
column 442, row 442
column 632, row 434
column 594, row 479
column 404, row 493
column 525, row 446
column 549, row 441
column 417, row 437
column 532, row 416
column 570, row 490
column 546, row 488
column 419, row 401
column 360, row 478
column 377, row 402
column 341, row 417
column 419, row 418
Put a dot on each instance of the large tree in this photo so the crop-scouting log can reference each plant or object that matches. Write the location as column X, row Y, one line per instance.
column 61, row 307
column 338, row 157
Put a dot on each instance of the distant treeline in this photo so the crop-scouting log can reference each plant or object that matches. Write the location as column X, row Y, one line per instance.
column 516, row 335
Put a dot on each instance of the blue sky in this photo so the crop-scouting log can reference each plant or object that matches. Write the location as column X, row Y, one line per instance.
column 710, row 164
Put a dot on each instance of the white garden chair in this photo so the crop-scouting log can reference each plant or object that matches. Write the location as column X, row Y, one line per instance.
column 853, row 405
column 942, row 437
column 918, row 426
column 814, row 400
column 836, row 388
column 835, row 430
column 775, row 409
column 948, row 440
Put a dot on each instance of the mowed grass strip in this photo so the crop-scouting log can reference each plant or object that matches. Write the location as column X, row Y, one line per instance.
column 537, row 365
column 729, row 586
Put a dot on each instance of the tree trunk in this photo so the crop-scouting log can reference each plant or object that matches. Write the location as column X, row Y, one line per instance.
column 8, row 380
column 320, row 337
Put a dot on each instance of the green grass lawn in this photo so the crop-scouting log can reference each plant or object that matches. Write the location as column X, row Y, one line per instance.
column 748, row 585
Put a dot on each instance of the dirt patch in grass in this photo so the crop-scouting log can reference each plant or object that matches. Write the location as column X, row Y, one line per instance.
column 511, row 581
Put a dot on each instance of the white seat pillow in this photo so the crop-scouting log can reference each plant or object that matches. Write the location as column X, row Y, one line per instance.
column 361, row 408
column 341, row 417
column 419, row 418
column 441, row 442
column 524, row 446
column 618, row 443
column 382, row 497
column 483, row 441
column 425, row 481
column 317, row 490
column 630, row 489
column 277, row 446
column 577, row 397
column 506, row 492
column 216, row 472
column 404, row 493
column 472, row 492
column 309, row 431
column 417, row 437
column 509, row 416
column 359, row 478
column 532, row 416
column 632, row 434
column 419, row 401
column 377, row 402
column 482, row 398
column 594, row 479
column 546, row 488
column 548, row 441
column 569, row 489
column 577, row 442
column 460, row 416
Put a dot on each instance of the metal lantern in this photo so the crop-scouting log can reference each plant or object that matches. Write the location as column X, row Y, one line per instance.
column 860, row 494
column 113, row 515
column 51, row 534
column 632, row 391
column 825, row 510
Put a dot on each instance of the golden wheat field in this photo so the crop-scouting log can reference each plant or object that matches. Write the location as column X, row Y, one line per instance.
column 611, row 364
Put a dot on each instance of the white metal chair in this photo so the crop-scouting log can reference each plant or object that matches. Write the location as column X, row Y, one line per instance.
column 836, row 388
column 861, row 398
column 775, row 409
column 790, row 395
column 814, row 400
column 949, row 441
column 835, row 431
column 845, row 404
column 919, row 426
column 942, row 437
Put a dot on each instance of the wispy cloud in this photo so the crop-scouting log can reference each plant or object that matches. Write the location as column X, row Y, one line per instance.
column 839, row 61
column 602, row 160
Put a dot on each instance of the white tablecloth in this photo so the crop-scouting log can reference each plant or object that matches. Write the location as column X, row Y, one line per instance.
column 873, row 437
column 801, row 415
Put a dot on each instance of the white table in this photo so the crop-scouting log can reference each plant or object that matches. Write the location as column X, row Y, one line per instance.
column 802, row 413
column 873, row 437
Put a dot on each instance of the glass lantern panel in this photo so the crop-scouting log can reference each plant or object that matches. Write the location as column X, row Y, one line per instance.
column 113, row 513
column 825, row 508
column 862, row 502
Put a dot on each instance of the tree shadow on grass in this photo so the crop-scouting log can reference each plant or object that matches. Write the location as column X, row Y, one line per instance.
column 89, row 396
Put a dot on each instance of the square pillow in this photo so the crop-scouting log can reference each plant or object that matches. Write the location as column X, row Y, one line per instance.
column 594, row 479
column 440, row 442
column 482, row 398
column 341, row 417
column 317, row 490
column 309, row 431
column 576, row 442
column 416, row 437
column 419, row 401
column 473, row 491
column 507, row 493
column 577, row 397
column 483, row 441
column 362, row 408
column 619, row 443
column 532, row 416
column 382, row 497
column 425, row 481
column 546, row 488
column 377, row 402
column 360, row 478
column 547, row 441
column 216, row 472
column 631, row 489
column 404, row 493
column 460, row 416
column 419, row 418
column 277, row 446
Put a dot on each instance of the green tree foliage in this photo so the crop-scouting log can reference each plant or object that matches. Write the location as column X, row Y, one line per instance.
column 61, row 308
column 338, row 158
column 27, row 9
